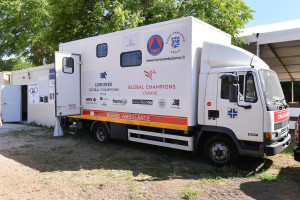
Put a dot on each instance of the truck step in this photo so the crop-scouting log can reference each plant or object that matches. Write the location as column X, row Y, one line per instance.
column 161, row 139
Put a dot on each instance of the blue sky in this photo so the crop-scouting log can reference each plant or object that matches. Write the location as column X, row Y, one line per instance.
column 273, row 11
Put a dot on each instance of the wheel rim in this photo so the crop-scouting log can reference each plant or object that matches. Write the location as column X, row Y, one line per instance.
column 100, row 134
column 219, row 152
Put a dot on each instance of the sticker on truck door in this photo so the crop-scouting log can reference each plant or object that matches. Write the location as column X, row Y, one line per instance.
column 232, row 113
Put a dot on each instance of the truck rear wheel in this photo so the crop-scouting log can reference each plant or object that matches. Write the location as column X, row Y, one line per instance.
column 101, row 133
column 220, row 151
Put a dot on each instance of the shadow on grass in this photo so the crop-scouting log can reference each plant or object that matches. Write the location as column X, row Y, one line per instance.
column 285, row 186
column 76, row 152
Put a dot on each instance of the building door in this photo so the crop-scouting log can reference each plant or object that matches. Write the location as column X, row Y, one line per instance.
column 11, row 103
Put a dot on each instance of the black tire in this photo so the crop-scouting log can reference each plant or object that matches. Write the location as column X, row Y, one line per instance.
column 101, row 133
column 220, row 151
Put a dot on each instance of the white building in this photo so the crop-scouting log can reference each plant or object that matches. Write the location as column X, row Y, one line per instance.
column 28, row 95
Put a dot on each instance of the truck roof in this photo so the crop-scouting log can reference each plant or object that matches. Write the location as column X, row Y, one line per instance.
column 189, row 18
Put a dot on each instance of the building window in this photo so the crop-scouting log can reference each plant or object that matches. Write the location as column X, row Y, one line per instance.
column 101, row 50
column 68, row 65
column 130, row 59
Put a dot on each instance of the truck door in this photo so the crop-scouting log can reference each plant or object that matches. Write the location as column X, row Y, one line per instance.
column 67, row 86
column 11, row 103
column 246, row 123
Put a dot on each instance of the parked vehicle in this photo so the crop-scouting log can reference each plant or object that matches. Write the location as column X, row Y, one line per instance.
column 297, row 140
column 177, row 84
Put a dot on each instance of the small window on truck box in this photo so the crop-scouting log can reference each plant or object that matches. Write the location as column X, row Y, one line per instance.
column 130, row 59
column 101, row 50
column 68, row 65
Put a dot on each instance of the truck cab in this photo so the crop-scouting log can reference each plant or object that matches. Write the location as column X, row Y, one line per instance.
column 244, row 102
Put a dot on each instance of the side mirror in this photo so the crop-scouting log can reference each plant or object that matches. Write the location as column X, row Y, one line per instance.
column 233, row 93
column 233, row 79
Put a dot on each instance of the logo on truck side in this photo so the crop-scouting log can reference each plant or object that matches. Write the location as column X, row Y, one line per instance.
column 142, row 101
column 122, row 102
column 103, row 75
column 155, row 45
column 175, row 40
column 149, row 74
column 232, row 113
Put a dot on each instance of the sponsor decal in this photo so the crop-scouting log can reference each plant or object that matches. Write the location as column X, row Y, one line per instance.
column 104, row 104
column 90, row 100
column 149, row 74
column 176, row 102
column 103, row 75
column 166, row 59
column 281, row 115
column 71, row 106
column 161, row 103
column 175, row 40
column 142, row 101
column 232, row 113
column 152, row 89
column 103, row 99
column 122, row 102
column 155, row 45
column 103, row 87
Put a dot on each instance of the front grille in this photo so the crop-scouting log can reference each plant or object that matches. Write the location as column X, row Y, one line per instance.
column 281, row 124
column 284, row 130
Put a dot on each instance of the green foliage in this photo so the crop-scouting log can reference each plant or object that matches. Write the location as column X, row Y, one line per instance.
column 34, row 28
column 23, row 24
column 14, row 64
column 287, row 90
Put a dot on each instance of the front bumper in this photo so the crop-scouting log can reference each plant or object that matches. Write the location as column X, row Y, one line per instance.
column 297, row 153
column 278, row 147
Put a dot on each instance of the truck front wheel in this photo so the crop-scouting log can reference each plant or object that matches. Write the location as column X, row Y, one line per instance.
column 101, row 133
column 220, row 151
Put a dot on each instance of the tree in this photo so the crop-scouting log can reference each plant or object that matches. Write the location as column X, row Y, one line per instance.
column 13, row 64
column 34, row 28
column 22, row 27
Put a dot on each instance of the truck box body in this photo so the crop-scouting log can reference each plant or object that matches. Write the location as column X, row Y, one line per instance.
column 162, row 90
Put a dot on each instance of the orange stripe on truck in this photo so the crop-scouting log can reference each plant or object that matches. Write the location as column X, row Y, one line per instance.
column 160, row 121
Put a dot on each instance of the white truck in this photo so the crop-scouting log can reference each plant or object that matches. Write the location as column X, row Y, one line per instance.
column 177, row 84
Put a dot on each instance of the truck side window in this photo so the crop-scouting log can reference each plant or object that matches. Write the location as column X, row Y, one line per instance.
column 101, row 50
column 68, row 65
column 130, row 59
column 225, row 88
column 250, row 93
column 241, row 87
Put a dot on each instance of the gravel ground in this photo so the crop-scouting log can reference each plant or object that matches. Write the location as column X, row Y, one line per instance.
column 35, row 165
column 6, row 127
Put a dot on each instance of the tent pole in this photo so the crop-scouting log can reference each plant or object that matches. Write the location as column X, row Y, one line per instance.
column 292, row 91
column 257, row 46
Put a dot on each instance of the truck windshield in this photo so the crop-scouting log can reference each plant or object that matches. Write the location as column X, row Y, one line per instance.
column 272, row 91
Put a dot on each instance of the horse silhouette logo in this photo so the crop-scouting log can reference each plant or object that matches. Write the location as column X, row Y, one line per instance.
column 103, row 75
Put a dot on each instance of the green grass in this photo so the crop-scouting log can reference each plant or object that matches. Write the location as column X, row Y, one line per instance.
column 189, row 193
column 289, row 149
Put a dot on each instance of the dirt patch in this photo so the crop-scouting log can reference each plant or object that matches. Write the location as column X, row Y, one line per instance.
column 36, row 165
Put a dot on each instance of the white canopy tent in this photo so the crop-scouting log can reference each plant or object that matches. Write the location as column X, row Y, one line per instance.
column 279, row 46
